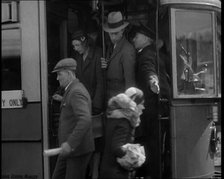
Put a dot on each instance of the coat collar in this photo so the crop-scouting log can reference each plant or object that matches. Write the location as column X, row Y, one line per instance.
column 118, row 47
column 148, row 47
column 88, row 59
column 74, row 82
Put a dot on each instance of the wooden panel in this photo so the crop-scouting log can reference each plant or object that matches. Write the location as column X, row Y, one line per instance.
column 191, row 155
column 22, row 124
column 21, row 161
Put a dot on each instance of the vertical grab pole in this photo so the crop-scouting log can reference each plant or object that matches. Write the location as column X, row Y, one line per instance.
column 102, row 20
column 157, row 59
column 104, row 55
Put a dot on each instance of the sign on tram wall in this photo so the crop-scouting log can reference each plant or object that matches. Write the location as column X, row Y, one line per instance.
column 12, row 99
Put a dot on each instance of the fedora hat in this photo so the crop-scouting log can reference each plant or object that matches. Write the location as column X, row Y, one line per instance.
column 65, row 64
column 115, row 22
column 143, row 29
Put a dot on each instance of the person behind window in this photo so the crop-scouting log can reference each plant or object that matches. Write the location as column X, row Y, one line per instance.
column 75, row 124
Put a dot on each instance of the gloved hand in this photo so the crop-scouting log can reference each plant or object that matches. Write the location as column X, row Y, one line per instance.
column 103, row 63
column 154, row 84
column 66, row 149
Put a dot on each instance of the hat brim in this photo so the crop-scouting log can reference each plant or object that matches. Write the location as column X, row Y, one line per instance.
column 107, row 29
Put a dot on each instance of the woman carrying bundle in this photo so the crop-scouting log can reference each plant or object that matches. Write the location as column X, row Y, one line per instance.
column 123, row 115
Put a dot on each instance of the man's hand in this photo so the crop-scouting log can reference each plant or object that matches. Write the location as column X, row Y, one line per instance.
column 154, row 84
column 103, row 63
column 65, row 149
column 57, row 97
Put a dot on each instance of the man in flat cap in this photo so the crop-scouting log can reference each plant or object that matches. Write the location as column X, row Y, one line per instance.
column 75, row 124
column 148, row 82
column 120, row 57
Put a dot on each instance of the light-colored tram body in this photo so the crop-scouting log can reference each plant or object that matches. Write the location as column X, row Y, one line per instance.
column 36, row 34
column 195, row 49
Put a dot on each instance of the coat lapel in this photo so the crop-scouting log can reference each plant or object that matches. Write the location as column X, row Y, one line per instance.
column 88, row 59
column 63, row 102
column 118, row 47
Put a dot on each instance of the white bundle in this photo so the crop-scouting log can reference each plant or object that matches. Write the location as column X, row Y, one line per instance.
column 134, row 157
column 52, row 152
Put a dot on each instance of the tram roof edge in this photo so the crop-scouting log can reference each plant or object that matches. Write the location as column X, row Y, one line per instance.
column 216, row 3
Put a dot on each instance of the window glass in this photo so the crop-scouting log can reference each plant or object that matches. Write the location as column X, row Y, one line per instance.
column 194, row 54
column 218, row 53
column 11, row 60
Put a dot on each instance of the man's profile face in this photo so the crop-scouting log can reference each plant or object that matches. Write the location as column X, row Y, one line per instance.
column 116, row 36
column 63, row 78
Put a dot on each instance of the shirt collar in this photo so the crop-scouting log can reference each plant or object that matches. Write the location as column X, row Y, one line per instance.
column 140, row 50
column 68, row 85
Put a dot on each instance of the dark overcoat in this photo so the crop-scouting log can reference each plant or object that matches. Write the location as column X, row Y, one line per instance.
column 118, row 132
column 148, row 132
column 120, row 73
column 75, row 122
column 90, row 74
column 145, row 67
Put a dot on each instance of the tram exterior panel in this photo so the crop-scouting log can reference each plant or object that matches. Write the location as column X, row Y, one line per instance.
column 22, row 124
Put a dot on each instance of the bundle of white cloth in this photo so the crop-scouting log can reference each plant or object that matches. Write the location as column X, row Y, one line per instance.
column 134, row 157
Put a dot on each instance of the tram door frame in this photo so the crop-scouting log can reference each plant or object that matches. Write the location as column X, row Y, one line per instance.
column 25, row 129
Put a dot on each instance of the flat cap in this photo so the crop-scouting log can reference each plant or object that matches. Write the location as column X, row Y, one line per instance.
column 65, row 64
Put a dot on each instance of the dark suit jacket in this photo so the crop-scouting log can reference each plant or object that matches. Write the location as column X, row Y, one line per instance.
column 146, row 66
column 89, row 73
column 118, row 132
column 75, row 122
column 121, row 68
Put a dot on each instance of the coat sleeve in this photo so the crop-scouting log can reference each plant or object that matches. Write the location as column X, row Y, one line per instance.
column 148, row 67
column 120, row 137
column 82, row 112
column 128, row 62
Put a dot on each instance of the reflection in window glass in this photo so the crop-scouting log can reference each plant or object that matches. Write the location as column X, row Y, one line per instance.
column 218, row 53
column 11, row 62
column 194, row 53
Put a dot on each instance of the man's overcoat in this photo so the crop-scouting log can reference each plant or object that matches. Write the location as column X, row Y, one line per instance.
column 121, row 68
column 75, row 122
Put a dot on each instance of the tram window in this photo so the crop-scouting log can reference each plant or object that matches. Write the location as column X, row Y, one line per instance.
column 195, row 60
column 11, row 61
column 218, row 53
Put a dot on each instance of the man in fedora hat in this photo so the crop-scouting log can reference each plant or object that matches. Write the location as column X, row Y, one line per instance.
column 75, row 129
column 120, row 57
column 148, row 82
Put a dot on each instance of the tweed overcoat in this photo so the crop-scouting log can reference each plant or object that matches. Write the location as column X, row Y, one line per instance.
column 120, row 73
column 75, row 122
